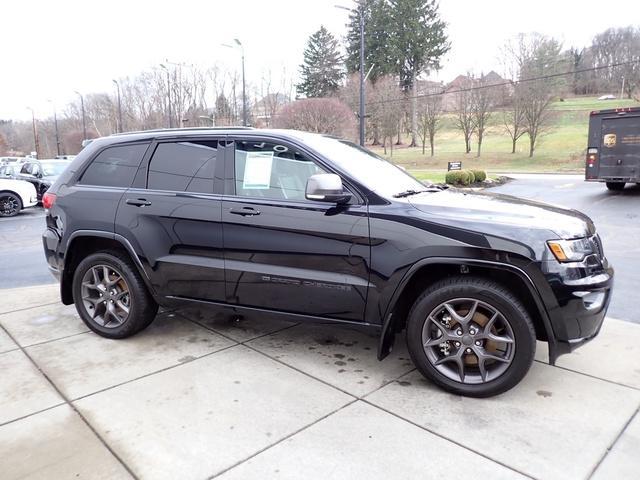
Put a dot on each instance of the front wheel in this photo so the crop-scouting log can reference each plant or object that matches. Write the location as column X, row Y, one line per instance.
column 471, row 336
column 111, row 296
column 615, row 186
column 10, row 204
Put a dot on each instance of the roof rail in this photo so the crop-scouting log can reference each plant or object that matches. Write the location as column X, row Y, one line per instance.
column 187, row 129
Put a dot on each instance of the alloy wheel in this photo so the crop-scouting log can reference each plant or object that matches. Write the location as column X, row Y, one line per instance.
column 106, row 296
column 468, row 341
column 9, row 205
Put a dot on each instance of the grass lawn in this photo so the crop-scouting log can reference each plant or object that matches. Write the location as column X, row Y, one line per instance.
column 561, row 149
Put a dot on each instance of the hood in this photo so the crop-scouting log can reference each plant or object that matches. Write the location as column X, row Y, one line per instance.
column 498, row 214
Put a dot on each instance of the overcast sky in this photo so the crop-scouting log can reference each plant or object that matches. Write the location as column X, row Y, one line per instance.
column 52, row 47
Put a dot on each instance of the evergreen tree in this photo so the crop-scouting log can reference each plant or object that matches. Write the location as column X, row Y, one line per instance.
column 377, row 39
column 419, row 41
column 321, row 71
column 402, row 37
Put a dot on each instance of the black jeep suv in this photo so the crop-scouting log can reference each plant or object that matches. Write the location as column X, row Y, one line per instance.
column 312, row 227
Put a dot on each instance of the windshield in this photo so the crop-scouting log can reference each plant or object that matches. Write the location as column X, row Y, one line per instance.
column 53, row 169
column 372, row 171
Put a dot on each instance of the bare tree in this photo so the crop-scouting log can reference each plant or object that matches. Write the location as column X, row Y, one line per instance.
column 387, row 109
column 483, row 100
column 429, row 118
column 537, row 57
column 513, row 118
column 465, row 120
column 318, row 115
column 615, row 46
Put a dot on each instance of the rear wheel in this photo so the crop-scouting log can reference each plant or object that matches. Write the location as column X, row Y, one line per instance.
column 10, row 204
column 471, row 336
column 615, row 186
column 111, row 296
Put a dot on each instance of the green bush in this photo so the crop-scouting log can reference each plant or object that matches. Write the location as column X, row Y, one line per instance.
column 458, row 177
column 472, row 177
column 480, row 175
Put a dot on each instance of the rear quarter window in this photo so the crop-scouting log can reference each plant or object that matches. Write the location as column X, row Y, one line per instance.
column 114, row 166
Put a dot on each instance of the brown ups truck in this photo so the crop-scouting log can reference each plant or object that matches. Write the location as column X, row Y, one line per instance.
column 613, row 151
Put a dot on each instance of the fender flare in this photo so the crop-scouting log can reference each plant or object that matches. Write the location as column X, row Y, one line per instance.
column 387, row 333
column 118, row 238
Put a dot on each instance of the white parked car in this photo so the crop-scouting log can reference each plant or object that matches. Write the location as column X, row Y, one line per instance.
column 16, row 195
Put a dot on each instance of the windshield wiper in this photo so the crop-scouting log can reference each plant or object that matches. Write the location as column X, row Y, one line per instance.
column 430, row 188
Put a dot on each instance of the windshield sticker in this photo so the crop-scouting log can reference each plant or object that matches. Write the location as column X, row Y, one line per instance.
column 257, row 170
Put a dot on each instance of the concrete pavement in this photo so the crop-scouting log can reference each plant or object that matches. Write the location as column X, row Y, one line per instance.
column 197, row 396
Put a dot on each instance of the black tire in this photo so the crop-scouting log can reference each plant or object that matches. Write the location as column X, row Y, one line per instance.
column 615, row 186
column 10, row 204
column 488, row 293
column 142, row 307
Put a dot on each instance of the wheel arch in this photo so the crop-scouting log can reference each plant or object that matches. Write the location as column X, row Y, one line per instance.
column 428, row 271
column 82, row 243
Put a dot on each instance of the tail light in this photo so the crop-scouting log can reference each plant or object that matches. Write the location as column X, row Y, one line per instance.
column 592, row 160
column 48, row 199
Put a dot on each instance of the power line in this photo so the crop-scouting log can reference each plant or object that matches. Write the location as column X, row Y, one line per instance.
column 506, row 83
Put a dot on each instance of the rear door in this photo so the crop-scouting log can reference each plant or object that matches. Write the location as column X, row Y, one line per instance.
column 620, row 147
column 284, row 252
column 172, row 217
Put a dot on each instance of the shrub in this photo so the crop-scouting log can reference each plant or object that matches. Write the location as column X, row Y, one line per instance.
column 458, row 177
column 480, row 175
column 317, row 115
column 472, row 177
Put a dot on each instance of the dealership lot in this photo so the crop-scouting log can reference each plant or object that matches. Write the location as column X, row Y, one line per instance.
column 198, row 395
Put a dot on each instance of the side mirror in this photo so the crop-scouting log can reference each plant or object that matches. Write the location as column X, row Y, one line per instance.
column 326, row 187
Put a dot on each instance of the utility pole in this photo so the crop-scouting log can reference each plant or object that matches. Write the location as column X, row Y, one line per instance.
column 84, row 121
column 244, row 84
column 164, row 67
column 36, row 143
column 55, row 123
column 119, row 128
column 361, row 111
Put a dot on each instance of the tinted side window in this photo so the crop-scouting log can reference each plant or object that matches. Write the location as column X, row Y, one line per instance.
column 26, row 168
column 272, row 170
column 183, row 166
column 115, row 166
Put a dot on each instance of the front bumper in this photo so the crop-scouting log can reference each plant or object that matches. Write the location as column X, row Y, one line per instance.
column 582, row 299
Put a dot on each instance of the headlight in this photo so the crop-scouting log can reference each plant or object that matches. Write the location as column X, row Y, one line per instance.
column 571, row 250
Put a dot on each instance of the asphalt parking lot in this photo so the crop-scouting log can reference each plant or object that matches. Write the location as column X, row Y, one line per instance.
column 198, row 395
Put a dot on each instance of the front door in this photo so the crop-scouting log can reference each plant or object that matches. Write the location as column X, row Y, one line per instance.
column 284, row 252
column 173, row 219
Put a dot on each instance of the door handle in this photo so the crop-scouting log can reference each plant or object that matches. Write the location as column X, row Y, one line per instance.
column 245, row 211
column 138, row 202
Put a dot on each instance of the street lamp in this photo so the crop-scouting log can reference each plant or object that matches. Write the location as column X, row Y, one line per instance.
column 361, row 114
column 244, row 87
column 84, row 121
column 164, row 67
column 35, row 132
column 119, row 129
column 55, row 123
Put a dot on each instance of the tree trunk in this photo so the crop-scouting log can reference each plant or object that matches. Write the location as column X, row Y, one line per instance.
column 399, row 142
column 532, row 144
column 479, row 144
column 513, row 145
column 424, row 143
column 431, row 142
column 414, row 109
